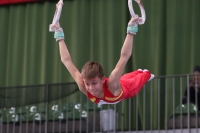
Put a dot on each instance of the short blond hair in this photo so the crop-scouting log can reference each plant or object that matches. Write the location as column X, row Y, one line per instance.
column 91, row 70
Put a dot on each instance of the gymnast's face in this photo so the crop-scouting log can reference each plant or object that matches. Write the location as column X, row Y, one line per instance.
column 95, row 86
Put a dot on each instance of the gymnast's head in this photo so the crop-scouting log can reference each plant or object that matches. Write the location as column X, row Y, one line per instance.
column 91, row 70
column 93, row 77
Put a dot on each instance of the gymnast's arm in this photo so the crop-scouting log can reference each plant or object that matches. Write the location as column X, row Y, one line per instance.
column 126, row 52
column 67, row 61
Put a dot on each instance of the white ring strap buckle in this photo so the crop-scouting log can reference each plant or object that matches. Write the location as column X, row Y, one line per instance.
column 57, row 14
column 130, row 6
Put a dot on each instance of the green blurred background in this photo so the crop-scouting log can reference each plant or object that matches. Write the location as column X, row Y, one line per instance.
column 167, row 44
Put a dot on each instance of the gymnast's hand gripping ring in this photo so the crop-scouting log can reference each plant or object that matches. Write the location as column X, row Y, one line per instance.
column 130, row 6
column 57, row 14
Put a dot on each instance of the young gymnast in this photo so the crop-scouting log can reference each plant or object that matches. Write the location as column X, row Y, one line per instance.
column 91, row 80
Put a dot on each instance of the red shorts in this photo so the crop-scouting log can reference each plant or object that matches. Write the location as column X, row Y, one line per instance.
column 132, row 82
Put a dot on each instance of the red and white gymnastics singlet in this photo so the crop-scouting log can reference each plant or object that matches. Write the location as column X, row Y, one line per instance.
column 131, row 84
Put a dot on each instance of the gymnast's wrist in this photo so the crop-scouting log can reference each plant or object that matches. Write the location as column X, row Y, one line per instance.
column 62, row 40
column 131, row 29
column 59, row 34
